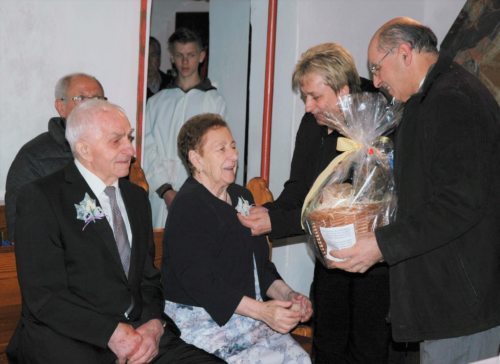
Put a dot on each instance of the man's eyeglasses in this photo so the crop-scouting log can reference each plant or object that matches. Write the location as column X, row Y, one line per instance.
column 375, row 68
column 80, row 98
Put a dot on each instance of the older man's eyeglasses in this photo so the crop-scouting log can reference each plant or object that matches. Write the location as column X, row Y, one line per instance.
column 80, row 98
column 375, row 68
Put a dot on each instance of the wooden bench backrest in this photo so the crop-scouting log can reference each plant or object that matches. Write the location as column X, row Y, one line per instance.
column 10, row 298
column 158, row 239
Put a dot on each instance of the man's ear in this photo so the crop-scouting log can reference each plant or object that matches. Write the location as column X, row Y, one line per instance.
column 60, row 106
column 82, row 149
column 203, row 54
column 405, row 50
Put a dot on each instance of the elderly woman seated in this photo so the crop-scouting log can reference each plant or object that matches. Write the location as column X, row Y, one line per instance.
column 221, row 288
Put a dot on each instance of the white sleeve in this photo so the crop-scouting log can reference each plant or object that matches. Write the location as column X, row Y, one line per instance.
column 156, row 173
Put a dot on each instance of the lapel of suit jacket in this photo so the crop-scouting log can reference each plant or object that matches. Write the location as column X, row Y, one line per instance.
column 100, row 228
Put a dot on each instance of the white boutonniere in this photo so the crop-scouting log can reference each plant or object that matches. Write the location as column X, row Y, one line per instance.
column 243, row 206
column 88, row 211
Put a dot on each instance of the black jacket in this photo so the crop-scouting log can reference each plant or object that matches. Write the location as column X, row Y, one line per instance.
column 41, row 156
column 444, row 247
column 74, row 289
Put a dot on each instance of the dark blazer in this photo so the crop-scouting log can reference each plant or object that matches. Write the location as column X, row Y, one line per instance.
column 73, row 286
column 444, row 247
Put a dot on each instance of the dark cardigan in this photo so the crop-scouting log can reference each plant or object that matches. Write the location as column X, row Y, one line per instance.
column 209, row 255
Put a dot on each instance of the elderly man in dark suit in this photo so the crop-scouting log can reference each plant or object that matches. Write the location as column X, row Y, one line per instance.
column 84, row 249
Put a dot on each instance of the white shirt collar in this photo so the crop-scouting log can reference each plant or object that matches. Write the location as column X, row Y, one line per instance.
column 97, row 186
column 95, row 183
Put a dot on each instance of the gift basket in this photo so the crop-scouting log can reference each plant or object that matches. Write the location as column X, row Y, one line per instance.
column 355, row 193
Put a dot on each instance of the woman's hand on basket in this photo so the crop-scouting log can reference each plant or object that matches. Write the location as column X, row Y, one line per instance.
column 360, row 257
column 258, row 221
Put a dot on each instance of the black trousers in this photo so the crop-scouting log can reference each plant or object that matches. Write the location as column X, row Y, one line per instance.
column 37, row 344
column 350, row 311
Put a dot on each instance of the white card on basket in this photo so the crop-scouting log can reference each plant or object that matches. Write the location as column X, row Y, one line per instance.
column 339, row 237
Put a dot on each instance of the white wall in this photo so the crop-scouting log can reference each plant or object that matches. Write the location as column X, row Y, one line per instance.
column 228, row 63
column 40, row 41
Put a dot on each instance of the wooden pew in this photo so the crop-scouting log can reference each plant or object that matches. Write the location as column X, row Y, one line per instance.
column 158, row 239
column 10, row 298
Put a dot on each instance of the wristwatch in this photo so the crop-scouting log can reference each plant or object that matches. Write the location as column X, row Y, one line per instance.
column 164, row 188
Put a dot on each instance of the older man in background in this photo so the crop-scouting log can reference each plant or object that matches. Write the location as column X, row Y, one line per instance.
column 49, row 151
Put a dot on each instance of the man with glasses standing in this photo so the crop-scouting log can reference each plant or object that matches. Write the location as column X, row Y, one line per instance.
column 49, row 151
column 443, row 248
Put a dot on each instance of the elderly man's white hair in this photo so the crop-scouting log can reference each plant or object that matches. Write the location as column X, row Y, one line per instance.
column 85, row 117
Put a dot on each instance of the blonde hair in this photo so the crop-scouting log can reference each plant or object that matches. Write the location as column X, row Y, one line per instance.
column 333, row 62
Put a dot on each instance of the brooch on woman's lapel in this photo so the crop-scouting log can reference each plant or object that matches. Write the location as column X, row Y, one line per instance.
column 243, row 206
column 88, row 211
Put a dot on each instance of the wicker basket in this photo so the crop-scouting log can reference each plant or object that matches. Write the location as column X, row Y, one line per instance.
column 365, row 218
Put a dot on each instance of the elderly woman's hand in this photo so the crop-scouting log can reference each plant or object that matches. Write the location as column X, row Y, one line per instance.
column 301, row 304
column 279, row 315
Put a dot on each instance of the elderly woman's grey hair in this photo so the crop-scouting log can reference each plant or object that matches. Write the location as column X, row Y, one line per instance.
column 62, row 85
column 85, row 119
column 191, row 135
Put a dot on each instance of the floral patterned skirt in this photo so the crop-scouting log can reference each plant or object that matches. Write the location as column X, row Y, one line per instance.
column 241, row 340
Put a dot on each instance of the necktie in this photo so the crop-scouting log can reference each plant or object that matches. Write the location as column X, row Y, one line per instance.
column 119, row 229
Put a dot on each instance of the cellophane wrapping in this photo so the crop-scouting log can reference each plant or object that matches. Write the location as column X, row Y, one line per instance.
column 358, row 195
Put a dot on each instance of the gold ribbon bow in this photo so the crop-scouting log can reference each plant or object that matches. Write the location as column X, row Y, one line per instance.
column 345, row 145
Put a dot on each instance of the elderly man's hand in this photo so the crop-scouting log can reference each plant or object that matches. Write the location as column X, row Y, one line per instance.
column 151, row 333
column 124, row 342
column 258, row 221
column 360, row 257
